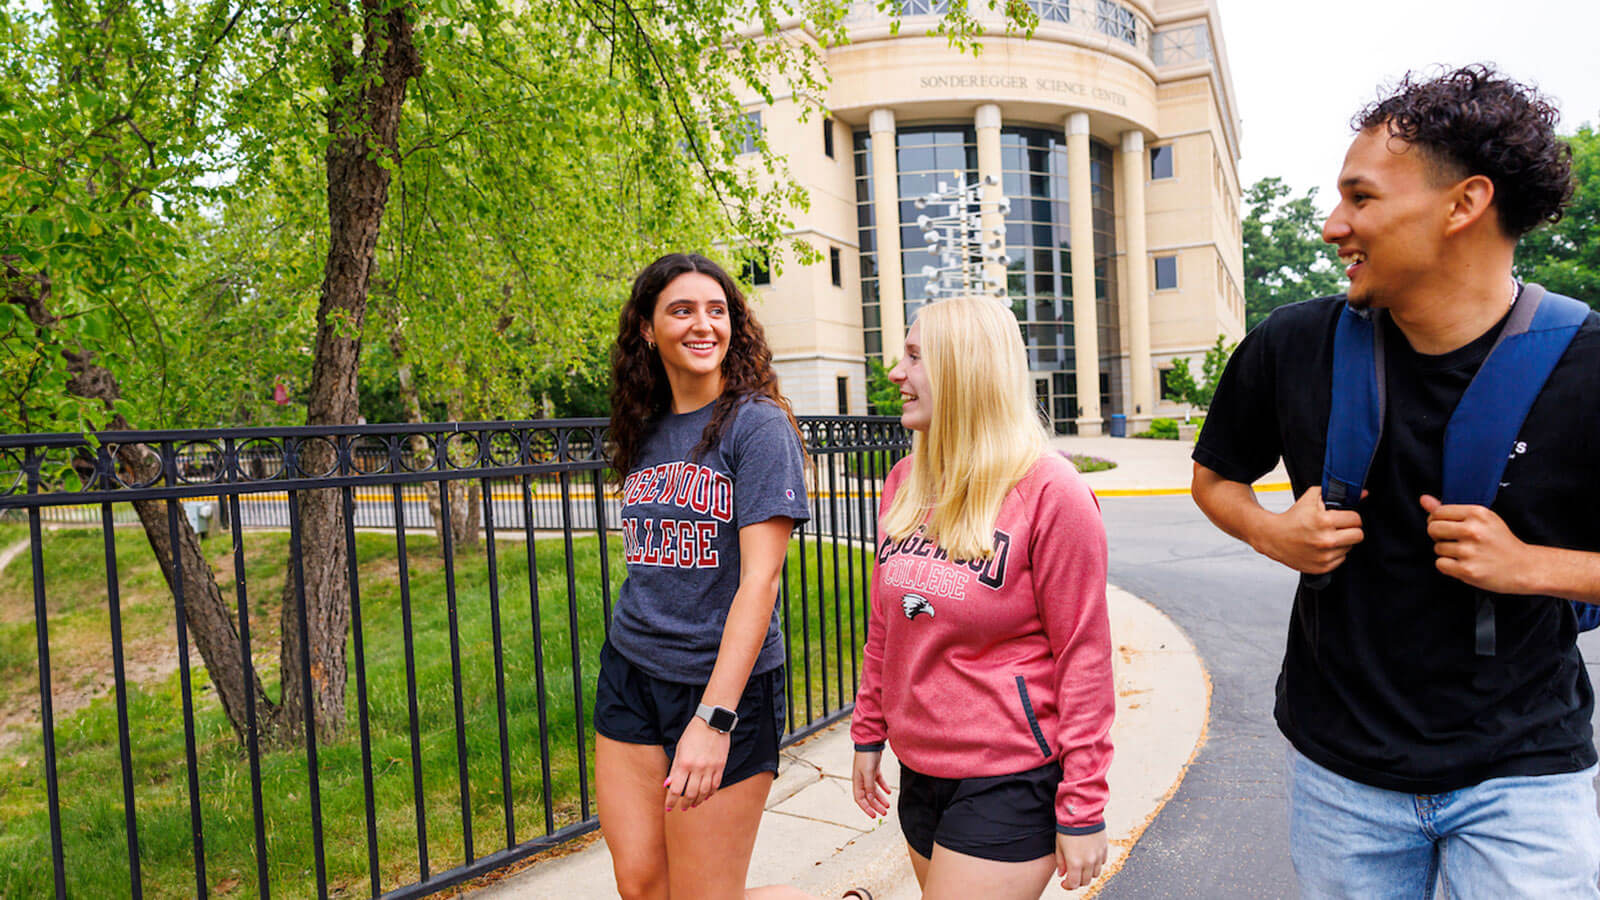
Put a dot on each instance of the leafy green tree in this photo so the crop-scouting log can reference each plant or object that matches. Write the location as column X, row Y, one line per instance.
column 199, row 200
column 1198, row 393
column 1285, row 258
column 1565, row 257
column 109, row 120
column 883, row 395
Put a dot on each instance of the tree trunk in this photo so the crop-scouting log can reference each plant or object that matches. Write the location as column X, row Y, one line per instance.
column 210, row 619
column 466, row 497
column 466, row 512
column 211, row 622
column 363, row 142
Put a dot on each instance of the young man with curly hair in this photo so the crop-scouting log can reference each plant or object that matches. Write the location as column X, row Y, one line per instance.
column 1418, row 761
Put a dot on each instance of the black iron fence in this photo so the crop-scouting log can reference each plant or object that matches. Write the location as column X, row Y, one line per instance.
column 464, row 745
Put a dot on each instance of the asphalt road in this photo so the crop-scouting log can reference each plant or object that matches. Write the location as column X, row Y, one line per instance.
column 1224, row 833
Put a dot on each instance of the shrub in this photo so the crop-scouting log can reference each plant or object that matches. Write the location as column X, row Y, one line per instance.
column 1085, row 463
column 1161, row 430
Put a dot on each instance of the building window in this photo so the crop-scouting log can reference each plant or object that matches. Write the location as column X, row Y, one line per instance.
column 1118, row 21
column 1168, row 392
column 747, row 141
column 827, row 137
column 1034, row 176
column 758, row 272
column 925, row 156
column 1052, row 10
column 1160, row 162
column 1166, row 273
column 835, row 267
column 843, row 384
column 867, row 246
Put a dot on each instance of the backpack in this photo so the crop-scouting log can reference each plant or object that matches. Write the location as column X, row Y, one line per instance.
column 1482, row 431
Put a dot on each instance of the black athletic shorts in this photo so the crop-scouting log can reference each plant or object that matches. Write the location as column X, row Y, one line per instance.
column 1006, row 818
column 635, row 708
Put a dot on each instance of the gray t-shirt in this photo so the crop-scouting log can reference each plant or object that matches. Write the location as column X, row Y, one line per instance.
column 680, row 524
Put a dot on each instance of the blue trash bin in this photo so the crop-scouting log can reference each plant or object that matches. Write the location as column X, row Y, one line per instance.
column 1119, row 425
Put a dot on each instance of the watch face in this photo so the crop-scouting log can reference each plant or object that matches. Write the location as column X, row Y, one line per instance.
column 723, row 719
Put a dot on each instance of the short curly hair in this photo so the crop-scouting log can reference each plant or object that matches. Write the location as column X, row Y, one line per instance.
column 1476, row 121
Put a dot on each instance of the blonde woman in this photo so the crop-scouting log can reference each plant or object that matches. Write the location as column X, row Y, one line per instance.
column 988, row 655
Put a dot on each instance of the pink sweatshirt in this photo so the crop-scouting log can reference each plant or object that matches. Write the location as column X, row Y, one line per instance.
column 1001, row 665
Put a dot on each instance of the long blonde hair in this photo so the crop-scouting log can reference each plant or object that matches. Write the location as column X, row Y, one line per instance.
column 984, row 435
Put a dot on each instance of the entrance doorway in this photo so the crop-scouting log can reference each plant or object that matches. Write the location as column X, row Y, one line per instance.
column 1055, row 401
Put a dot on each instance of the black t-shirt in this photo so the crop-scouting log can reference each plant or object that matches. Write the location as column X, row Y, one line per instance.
column 1380, row 680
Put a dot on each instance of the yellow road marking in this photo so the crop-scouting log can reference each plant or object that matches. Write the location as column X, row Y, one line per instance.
column 1161, row 492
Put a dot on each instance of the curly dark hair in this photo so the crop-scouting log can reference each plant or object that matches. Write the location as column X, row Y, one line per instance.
column 1476, row 121
column 640, row 393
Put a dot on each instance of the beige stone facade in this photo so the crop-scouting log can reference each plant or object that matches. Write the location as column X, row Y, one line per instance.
column 1115, row 121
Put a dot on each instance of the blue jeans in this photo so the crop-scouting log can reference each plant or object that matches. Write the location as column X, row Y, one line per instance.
column 1520, row 836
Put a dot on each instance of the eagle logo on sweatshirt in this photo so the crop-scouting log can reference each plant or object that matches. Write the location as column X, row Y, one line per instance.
column 915, row 605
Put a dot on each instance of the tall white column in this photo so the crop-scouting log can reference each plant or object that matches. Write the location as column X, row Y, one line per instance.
column 1136, row 286
column 886, row 216
column 1085, row 321
column 987, row 123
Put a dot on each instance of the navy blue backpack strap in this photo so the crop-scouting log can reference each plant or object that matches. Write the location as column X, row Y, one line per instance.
column 1483, row 429
column 1355, row 416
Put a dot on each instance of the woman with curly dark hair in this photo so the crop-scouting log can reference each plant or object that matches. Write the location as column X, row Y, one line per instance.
column 690, row 702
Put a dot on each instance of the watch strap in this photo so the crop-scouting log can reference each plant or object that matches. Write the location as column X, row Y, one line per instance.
column 720, row 718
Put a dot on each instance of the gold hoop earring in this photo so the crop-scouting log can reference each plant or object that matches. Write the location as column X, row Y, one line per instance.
column 651, row 343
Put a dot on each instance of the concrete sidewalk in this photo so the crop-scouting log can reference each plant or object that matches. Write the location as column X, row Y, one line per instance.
column 1147, row 466
column 815, row 838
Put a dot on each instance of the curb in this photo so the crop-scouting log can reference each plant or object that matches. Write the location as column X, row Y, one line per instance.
column 1161, row 492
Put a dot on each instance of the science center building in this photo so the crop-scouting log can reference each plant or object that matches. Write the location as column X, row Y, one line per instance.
column 1114, row 123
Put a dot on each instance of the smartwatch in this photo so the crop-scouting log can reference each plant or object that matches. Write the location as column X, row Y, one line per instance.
column 720, row 718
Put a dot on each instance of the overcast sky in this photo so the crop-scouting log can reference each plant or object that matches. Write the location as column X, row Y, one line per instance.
column 1302, row 68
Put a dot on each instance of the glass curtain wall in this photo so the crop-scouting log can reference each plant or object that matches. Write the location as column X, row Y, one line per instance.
column 1108, row 306
column 925, row 157
column 1033, row 164
column 1038, row 240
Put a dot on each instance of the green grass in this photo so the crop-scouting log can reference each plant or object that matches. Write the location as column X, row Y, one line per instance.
column 11, row 532
column 86, row 722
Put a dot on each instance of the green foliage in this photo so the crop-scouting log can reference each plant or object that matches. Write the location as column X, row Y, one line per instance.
column 1161, row 429
column 102, row 153
column 1285, row 258
column 87, row 731
column 1198, row 393
column 1565, row 257
column 1085, row 463
column 583, row 390
column 164, row 195
column 1181, row 385
column 883, row 395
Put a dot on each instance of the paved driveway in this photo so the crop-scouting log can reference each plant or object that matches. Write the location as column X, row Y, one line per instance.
column 1223, row 834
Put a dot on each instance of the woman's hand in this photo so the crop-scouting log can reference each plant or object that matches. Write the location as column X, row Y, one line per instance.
column 866, row 781
column 1079, row 858
column 697, row 765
